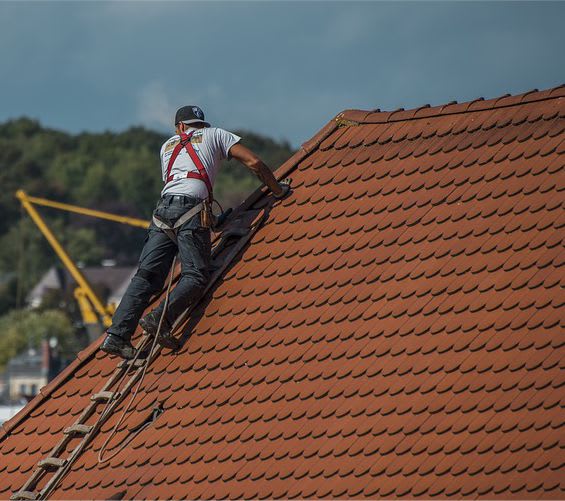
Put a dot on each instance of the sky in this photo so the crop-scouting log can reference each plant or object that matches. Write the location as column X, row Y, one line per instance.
column 279, row 68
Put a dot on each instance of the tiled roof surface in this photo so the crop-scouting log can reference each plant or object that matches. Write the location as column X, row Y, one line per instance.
column 394, row 329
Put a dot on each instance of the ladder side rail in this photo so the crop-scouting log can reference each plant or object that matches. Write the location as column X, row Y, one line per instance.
column 61, row 445
column 106, row 414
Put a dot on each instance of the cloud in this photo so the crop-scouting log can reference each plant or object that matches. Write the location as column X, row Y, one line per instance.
column 154, row 107
column 351, row 25
column 156, row 102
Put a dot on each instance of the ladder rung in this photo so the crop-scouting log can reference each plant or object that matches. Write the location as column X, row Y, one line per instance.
column 102, row 395
column 51, row 463
column 23, row 495
column 126, row 363
column 77, row 429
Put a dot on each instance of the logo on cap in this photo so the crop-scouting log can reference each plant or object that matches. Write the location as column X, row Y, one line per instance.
column 198, row 112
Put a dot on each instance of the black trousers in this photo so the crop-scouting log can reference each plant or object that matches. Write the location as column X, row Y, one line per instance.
column 194, row 249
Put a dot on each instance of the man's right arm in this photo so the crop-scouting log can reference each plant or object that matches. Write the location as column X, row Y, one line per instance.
column 257, row 166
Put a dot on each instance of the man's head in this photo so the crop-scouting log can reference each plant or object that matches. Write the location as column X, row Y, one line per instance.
column 190, row 115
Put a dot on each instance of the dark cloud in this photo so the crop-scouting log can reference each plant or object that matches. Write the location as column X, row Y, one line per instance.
column 282, row 68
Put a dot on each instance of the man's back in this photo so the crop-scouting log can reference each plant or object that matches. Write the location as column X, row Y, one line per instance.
column 212, row 145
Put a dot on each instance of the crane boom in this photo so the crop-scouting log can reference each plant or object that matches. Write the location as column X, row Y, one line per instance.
column 132, row 221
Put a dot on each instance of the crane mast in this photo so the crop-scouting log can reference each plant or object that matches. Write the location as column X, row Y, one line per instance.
column 84, row 293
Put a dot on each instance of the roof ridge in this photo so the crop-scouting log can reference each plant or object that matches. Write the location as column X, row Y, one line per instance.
column 451, row 108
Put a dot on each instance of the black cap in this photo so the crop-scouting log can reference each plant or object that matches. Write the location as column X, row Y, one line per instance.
column 190, row 114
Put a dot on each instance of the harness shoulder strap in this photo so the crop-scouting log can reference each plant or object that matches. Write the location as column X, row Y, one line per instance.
column 202, row 174
column 173, row 157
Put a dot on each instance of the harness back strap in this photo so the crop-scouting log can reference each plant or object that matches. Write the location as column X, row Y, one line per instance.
column 201, row 174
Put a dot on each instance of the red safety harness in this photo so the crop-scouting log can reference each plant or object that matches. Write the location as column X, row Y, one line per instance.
column 201, row 174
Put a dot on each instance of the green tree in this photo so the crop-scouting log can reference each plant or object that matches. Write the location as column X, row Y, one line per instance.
column 96, row 187
column 20, row 329
column 82, row 245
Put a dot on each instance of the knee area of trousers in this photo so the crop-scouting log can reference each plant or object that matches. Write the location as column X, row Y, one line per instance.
column 148, row 276
column 199, row 280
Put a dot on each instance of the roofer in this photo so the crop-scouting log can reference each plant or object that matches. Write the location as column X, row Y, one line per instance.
column 189, row 162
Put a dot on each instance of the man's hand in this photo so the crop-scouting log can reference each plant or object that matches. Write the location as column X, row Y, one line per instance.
column 285, row 187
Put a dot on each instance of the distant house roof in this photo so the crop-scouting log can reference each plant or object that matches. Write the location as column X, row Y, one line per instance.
column 29, row 363
column 114, row 279
column 394, row 329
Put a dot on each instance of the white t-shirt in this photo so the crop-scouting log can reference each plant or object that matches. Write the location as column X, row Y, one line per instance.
column 212, row 145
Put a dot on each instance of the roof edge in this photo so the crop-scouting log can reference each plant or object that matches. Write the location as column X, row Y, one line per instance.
column 452, row 108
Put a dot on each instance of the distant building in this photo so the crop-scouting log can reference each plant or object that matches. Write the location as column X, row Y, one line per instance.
column 109, row 282
column 28, row 372
column 25, row 376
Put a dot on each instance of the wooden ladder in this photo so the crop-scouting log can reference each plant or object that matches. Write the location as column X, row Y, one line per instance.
column 58, row 465
column 110, row 393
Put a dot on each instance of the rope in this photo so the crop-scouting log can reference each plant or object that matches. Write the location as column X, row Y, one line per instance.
column 214, row 201
column 81, row 446
column 109, row 407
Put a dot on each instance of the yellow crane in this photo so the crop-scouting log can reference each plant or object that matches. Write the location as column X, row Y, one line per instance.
column 92, row 308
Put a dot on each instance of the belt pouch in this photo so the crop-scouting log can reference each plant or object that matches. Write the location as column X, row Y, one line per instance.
column 206, row 216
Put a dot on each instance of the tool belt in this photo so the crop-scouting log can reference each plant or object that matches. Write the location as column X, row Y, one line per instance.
column 206, row 217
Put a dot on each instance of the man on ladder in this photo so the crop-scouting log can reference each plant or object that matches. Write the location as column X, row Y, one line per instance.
column 181, row 223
